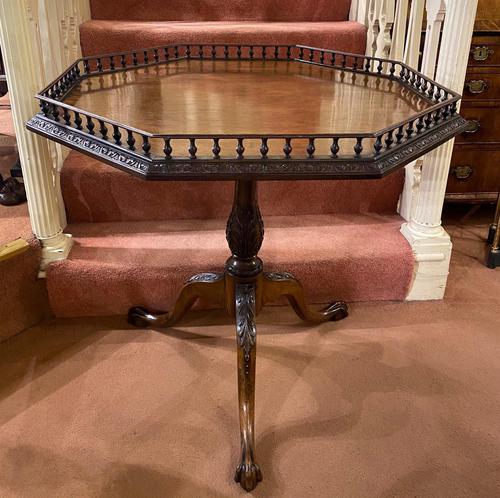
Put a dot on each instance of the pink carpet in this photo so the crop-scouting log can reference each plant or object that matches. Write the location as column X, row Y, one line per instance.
column 116, row 265
column 400, row 400
column 104, row 36
column 95, row 192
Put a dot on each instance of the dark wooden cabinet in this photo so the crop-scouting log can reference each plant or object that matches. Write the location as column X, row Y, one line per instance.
column 475, row 164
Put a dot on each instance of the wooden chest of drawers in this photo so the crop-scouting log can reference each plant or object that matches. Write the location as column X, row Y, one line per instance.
column 475, row 164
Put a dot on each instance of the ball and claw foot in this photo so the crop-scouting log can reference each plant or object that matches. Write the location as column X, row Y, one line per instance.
column 248, row 475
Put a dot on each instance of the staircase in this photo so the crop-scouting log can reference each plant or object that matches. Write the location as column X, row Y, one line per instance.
column 136, row 242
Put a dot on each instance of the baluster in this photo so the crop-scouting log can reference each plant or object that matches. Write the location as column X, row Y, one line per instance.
column 123, row 61
column 250, row 53
column 90, row 125
column 264, row 52
column 432, row 89
column 146, row 57
column 445, row 112
column 437, row 96
column 188, row 51
column 301, row 53
column 420, row 124
column 44, row 107
column 311, row 55
column 240, row 148
column 192, row 148
column 156, row 57
column 146, row 146
column 334, row 148
column 238, row 52
column 86, row 66
column 166, row 53
column 355, row 64
column 453, row 109
column 216, row 149
column 200, row 51
column 410, row 129
column 226, row 51
column 55, row 112
column 103, row 129
column 112, row 63
column 264, row 149
column 413, row 78
column 130, row 140
column 99, row 65
column 167, row 149
column 380, row 66
column 332, row 62
column 77, row 71
column 389, row 140
column 288, row 52
column 310, row 147
column 423, row 88
column 78, row 121
column 176, row 52
column 399, row 135
column 402, row 72
column 378, row 145
column 214, row 52
column 287, row 149
column 428, row 120
column 344, row 60
column 67, row 117
column 358, row 148
column 117, row 135
column 322, row 57
column 134, row 58
column 276, row 52
column 392, row 69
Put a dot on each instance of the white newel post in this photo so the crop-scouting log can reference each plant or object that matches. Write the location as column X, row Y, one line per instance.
column 26, row 28
column 430, row 242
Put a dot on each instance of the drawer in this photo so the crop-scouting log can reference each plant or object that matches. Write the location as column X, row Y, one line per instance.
column 481, row 85
column 485, row 51
column 474, row 170
column 485, row 121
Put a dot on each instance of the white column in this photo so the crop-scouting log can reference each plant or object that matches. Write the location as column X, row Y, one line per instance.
column 430, row 242
column 30, row 65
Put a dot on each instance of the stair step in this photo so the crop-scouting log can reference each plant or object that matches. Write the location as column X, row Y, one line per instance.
column 95, row 192
column 115, row 265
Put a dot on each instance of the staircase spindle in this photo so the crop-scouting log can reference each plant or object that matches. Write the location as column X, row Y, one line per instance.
column 287, row 148
column 311, row 147
column 240, row 149
column 216, row 148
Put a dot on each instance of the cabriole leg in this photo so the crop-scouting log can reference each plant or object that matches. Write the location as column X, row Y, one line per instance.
column 248, row 473
column 208, row 286
column 285, row 284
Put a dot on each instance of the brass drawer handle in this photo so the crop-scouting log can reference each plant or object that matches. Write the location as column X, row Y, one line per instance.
column 473, row 126
column 476, row 86
column 462, row 172
column 481, row 53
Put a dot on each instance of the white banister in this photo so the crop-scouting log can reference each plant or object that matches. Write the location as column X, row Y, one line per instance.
column 38, row 38
column 430, row 242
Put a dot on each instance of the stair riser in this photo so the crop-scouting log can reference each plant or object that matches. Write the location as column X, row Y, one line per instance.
column 94, row 192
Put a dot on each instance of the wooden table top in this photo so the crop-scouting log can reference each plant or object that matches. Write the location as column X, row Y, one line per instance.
column 232, row 112
column 248, row 97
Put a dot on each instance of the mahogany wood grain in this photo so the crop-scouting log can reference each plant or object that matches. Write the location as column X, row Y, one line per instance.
column 231, row 97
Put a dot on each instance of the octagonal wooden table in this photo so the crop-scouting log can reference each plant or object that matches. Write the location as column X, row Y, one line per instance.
column 246, row 113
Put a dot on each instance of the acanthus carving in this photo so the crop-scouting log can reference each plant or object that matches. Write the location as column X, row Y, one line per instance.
column 245, row 231
column 245, row 320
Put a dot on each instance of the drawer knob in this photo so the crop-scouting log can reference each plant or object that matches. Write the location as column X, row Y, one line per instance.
column 481, row 53
column 462, row 172
column 473, row 126
column 476, row 86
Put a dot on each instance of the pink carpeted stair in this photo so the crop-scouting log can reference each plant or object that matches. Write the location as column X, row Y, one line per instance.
column 136, row 242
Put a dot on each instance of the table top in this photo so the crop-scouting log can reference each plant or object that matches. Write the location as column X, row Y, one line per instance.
column 209, row 112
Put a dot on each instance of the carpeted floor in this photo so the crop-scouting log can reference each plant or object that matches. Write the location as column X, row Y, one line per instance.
column 398, row 400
